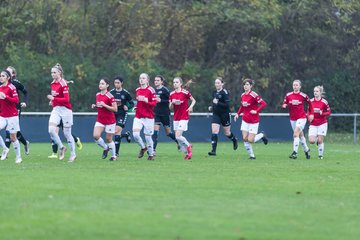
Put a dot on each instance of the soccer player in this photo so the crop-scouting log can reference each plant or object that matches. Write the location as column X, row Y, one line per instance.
column 221, row 115
column 318, row 119
column 295, row 101
column 19, row 88
column 251, row 105
column 124, row 103
column 9, row 118
column 144, row 116
column 106, row 106
column 162, row 111
column 62, row 110
column 179, row 101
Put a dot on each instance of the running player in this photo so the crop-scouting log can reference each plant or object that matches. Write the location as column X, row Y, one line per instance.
column 251, row 105
column 221, row 115
column 162, row 111
column 106, row 106
column 124, row 103
column 318, row 122
column 295, row 101
column 144, row 116
column 179, row 101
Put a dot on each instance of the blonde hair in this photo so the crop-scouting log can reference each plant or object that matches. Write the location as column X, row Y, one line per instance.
column 321, row 89
column 297, row 80
column 59, row 68
column 187, row 84
column 13, row 71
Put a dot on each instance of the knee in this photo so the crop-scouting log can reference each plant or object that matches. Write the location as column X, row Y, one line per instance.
column 52, row 130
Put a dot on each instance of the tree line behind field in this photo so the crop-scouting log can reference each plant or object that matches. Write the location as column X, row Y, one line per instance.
column 272, row 42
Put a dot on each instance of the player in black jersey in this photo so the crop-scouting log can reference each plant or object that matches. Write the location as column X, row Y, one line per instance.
column 124, row 102
column 162, row 111
column 221, row 115
column 19, row 88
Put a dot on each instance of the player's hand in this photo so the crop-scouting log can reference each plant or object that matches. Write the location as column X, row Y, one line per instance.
column 2, row 95
column 236, row 117
column 23, row 104
column 190, row 109
column 126, row 108
column 311, row 117
column 100, row 104
column 215, row 101
column 50, row 97
column 284, row 105
column 210, row 108
column 253, row 112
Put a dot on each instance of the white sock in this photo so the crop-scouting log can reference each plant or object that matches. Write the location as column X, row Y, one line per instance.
column 55, row 137
column 258, row 137
column 183, row 140
column 2, row 143
column 321, row 149
column 17, row 148
column 111, row 145
column 303, row 143
column 150, row 144
column 296, row 144
column 70, row 140
column 249, row 149
column 138, row 139
column 101, row 143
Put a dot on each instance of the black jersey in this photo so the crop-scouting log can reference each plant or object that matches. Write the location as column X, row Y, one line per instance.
column 162, row 107
column 223, row 106
column 20, row 88
column 122, row 99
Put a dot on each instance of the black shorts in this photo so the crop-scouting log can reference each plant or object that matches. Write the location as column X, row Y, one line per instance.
column 164, row 120
column 223, row 119
column 121, row 119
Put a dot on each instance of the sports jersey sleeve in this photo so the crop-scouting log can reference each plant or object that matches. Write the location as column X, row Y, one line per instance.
column 13, row 97
column 226, row 102
column 19, row 86
column 130, row 101
column 152, row 99
column 327, row 110
column 65, row 98
column 310, row 107
column 261, row 103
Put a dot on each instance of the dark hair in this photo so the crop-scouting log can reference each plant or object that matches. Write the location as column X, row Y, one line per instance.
column 161, row 77
column 7, row 73
column 248, row 80
column 106, row 80
column 220, row 78
column 120, row 78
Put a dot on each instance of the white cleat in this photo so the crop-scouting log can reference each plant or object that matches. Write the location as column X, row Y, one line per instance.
column 4, row 153
column 62, row 153
column 18, row 160
column 72, row 158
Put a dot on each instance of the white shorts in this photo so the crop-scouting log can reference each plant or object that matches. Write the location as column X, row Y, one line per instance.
column 147, row 123
column 181, row 125
column 109, row 128
column 300, row 123
column 249, row 127
column 318, row 130
column 11, row 124
column 61, row 113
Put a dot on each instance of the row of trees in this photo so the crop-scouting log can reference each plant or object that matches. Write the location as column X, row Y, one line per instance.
column 272, row 42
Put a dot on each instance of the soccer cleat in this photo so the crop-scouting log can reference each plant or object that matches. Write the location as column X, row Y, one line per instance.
column 142, row 152
column 53, row 155
column 113, row 158
column 72, row 158
column 235, row 144
column 27, row 148
column 178, row 147
column 307, row 154
column 293, row 155
column 62, row 153
column 18, row 160
column 79, row 144
column 264, row 139
column 187, row 157
column 252, row 158
column 105, row 153
column 4, row 153
column 321, row 157
column 151, row 158
column 189, row 150
column 212, row 153
column 128, row 137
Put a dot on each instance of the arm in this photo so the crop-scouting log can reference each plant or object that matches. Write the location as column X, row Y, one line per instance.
column 12, row 99
column 262, row 104
column 65, row 98
column 22, row 89
column 131, row 103
column 193, row 101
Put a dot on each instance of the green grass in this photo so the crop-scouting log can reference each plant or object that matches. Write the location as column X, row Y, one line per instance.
column 222, row 197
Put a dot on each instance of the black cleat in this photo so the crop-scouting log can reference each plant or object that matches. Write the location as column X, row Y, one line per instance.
column 307, row 154
column 293, row 155
column 264, row 139
column 151, row 158
column 113, row 158
column 142, row 152
column 321, row 157
column 128, row 136
column 105, row 153
column 235, row 144
column 212, row 153
column 252, row 158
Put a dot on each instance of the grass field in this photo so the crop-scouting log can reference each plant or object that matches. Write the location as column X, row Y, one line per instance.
column 222, row 197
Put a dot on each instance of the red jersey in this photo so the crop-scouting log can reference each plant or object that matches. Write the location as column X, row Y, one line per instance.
column 295, row 103
column 8, row 105
column 251, row 101
column 60, row 92
column 319, row 106
column 180, row 112
column 145, row 109
column 105, row 116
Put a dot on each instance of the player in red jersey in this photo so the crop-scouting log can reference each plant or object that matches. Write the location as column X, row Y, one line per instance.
column 62, row 110
column 318, row 119
column 179, row 101
column 9, row 117
column 106, row 106
column 144, row 116
column 295, row 102
column 251, row 105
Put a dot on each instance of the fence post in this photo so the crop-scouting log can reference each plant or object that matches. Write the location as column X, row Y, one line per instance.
column 355, row 115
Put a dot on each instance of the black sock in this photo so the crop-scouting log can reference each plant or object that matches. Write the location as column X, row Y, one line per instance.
column 214, row 140
column 54, row 147
column 155, row 138
column 232, row 137
column 123, row 135
column 172, row 136
column 117, row 143
column 21, row 138
column 7, row 139
column 75, row 138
